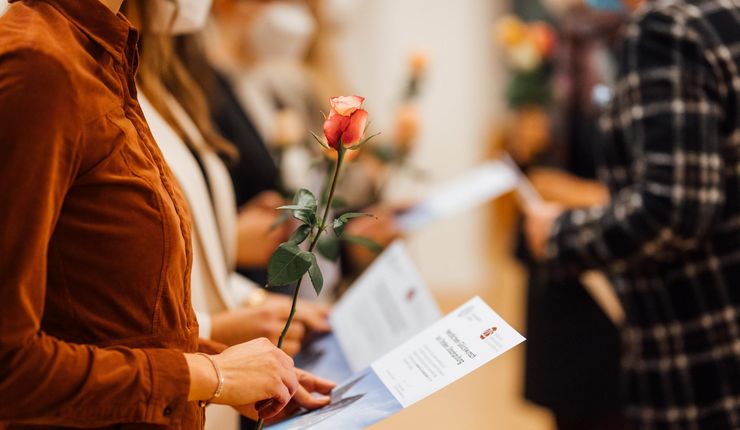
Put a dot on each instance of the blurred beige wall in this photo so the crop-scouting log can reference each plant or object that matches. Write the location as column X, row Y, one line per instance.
column 461, row 95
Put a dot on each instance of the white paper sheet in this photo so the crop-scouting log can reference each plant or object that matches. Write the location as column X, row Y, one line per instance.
column 446, row 351
column 463, row 341
column 525, row 191
column 386, row 306
column 486, row 182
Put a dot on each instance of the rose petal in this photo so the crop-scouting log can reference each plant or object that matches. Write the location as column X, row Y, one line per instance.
column 334, row 127
column 355, row 129
column 406, row 126
column 346, row 105
column 418, row 62
column 543, row 37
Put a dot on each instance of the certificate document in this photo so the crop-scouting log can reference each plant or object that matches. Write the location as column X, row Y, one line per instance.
column 386, row 306
column 449, row 349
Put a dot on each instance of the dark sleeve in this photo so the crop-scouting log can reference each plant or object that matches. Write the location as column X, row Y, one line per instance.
column 668, row 112
column 44, row 380
column 255, row 171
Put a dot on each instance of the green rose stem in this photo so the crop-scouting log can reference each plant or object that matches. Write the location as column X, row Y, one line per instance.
column 322, row 227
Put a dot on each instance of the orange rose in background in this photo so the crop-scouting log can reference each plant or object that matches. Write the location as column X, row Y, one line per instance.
column 346, row 121
column 406, row 127
column 418, row 62
column 543, row 37
column 526, row 45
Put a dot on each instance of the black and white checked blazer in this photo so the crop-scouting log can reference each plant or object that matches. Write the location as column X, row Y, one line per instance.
column 670, row 237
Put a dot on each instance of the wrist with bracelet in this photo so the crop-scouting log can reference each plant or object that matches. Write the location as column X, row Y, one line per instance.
column 219, row 388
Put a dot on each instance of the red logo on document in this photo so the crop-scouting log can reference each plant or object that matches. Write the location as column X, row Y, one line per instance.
column 410, row 294
column 488, row 332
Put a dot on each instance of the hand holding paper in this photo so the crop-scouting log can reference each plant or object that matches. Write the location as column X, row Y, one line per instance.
column 456, row 345
column 538, row 226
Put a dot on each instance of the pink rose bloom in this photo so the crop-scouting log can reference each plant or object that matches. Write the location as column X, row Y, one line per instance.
column 346, row 121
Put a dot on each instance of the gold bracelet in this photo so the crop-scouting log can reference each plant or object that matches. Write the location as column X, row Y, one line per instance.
column 219, row 376
column 257, row 298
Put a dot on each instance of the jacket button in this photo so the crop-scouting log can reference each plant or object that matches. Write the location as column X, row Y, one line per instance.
column 167, row 411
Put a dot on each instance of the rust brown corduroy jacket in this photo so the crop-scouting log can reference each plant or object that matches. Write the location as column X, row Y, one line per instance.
column 95, row 255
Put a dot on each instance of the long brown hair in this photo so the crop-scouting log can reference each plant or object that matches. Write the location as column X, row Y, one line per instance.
column 161, row 73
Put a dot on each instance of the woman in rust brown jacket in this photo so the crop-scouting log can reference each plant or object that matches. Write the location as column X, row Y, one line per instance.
column 96, row 326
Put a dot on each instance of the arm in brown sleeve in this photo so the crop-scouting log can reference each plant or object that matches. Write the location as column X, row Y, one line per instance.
column 44, row 380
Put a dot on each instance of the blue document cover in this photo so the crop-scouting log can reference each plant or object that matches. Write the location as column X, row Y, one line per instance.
column 357, row 403
column 324, row 357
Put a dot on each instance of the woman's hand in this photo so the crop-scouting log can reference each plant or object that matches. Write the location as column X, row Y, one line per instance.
column 244, row 324
column 303, row 398
column 529, row 134
column 313, row 315
column 538, row 223
column 253, row 372
column 267, row 320
column 257, row 235
column 561, row 187
column 381, row 229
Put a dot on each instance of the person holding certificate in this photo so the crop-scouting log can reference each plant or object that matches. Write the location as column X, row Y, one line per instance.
column 668, row 238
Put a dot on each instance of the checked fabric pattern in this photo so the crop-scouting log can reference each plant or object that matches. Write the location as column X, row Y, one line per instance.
column 670, row 236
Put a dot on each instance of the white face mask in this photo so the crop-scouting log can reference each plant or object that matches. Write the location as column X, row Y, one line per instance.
column 179, row 16
column 282, row 31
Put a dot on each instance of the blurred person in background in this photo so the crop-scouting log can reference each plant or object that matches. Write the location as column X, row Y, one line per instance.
column 96, row 324
column 581, row 386
column 230, row 308
column 669, row 235
column 266, row 52
column 251, row 64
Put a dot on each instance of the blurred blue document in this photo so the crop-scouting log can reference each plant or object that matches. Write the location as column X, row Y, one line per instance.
column 485, row 182
column 449, row 349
